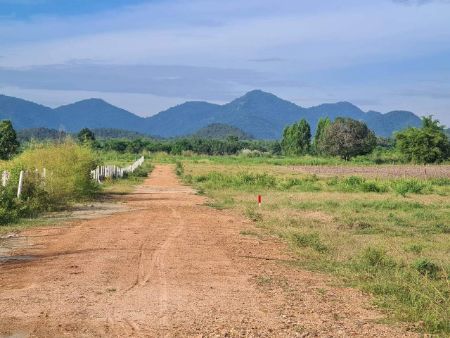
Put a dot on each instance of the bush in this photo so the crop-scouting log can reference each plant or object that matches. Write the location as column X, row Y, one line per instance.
column 68, row 167
column 428, row 144
column 179, row 169
column 375, row 258
column 426, row 268
column 310, row 240
column 8, row 210
column 357, row 183
column 142, row 171
column 405, row 186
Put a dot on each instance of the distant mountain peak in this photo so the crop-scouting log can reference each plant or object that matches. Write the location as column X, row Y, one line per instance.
column 340, row 105
column 261, row 100
column 346, row 104
column 258, row 94
column 257, row 112
column 91, row 101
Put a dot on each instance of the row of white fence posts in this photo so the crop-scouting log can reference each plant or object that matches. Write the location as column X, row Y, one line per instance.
column 5, row 179
column 113, row 171
column 6, row 176
column 98, row 174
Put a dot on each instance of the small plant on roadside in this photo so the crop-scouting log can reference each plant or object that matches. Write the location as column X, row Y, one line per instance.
column 309, row 240
column 254, row 215
column 179, row 169
column 375, row 258
column 426, row 268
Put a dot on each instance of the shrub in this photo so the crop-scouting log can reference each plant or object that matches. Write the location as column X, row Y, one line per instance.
column 375, row 258
column 426, row 268
column 142, row 171
column 405, row 186
column 310, row 240
column 179, row 169
column 372, row 186
column 428, row 144
column 68, row 167
column 8, row 211
column 254, row 215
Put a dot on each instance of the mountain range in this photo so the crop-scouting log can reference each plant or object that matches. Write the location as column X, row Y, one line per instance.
column 257, row 113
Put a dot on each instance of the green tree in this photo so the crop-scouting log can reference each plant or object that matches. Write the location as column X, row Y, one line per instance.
column 428, row 144
column 86, row 136
column 347, row 138
column 322, row 125
column 9, row 145
column 297, row 138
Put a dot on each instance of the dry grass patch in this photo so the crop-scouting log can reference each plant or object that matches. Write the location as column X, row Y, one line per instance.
column 396, row 247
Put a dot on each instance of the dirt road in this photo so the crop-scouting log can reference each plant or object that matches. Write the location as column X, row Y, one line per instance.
column 171, row 266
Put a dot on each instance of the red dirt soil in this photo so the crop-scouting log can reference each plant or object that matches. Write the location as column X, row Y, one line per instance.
column 172, row 267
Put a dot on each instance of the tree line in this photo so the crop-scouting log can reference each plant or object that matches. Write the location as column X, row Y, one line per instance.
column 343, row 137
column 347, row 138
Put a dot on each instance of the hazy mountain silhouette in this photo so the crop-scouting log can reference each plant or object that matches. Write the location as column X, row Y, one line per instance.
column 257, row 113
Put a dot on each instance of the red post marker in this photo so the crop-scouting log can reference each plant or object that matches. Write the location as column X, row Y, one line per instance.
column 259, row 200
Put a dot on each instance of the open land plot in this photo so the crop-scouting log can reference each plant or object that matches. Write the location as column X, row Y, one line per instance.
column 386, row 235
column 173, row 266
column 379, row 171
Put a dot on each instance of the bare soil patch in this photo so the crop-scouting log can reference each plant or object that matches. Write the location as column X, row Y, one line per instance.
column 380, row 171
column 171, row 266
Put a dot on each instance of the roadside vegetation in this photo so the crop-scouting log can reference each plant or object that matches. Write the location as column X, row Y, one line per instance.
column 67, row 167
column 57, row 175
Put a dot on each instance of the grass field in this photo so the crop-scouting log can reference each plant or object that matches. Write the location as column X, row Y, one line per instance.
column 386, row 234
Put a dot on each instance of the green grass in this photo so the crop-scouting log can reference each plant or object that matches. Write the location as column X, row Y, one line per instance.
column 389, row 237
column 27, row 223
column 116, row 158
column 247, row 180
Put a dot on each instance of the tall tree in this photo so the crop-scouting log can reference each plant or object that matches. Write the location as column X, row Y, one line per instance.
column 286, row 142
column 347, row 138
column 304, row 137
column 86, row 136
column 322, row 125
column 297, row 138
column 428, row 144
column 9, row 145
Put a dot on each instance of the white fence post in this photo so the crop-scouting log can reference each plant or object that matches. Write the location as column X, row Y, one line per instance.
column 5, row 178
column 19, row 188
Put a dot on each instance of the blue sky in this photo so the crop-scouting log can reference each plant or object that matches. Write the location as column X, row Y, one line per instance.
column 146, row 56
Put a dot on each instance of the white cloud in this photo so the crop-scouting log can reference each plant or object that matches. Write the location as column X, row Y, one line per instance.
column 296, row 39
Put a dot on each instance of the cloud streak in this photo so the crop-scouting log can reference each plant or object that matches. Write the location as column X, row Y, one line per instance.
column 420, row 2
column 162, row 80
column 205, row 49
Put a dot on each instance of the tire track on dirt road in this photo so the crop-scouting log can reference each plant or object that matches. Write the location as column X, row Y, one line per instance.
column 171, row 266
